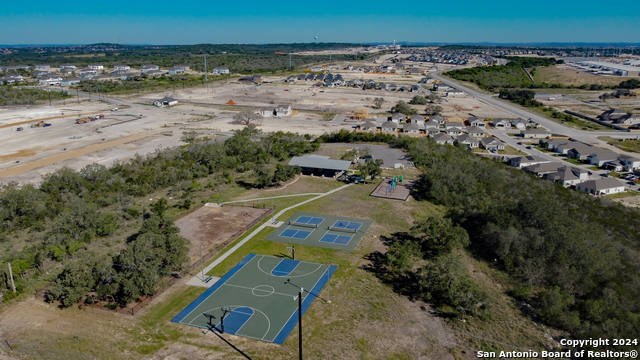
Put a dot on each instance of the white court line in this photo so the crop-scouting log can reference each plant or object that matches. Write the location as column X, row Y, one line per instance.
column 229, row 279
column 248, row 288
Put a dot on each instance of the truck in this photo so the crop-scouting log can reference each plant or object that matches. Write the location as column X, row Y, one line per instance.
column 82, row 120
column 38, row 124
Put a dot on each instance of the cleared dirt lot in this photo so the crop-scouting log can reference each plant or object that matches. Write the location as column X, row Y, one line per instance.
column 210, row 226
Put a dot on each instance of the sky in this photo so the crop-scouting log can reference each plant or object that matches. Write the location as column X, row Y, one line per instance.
column 166, row 22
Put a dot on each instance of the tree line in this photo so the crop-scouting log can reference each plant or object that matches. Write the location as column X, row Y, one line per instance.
column 76, row 214
column 570, row 255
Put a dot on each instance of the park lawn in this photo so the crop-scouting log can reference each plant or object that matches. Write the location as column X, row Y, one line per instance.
column 573, row 161
column 628, row 145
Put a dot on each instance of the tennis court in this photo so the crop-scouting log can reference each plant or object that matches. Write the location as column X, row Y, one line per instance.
column 259, row 296
column 322, row 230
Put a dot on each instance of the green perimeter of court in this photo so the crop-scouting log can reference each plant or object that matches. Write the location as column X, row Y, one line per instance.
column 260, row 294
column 332, row 232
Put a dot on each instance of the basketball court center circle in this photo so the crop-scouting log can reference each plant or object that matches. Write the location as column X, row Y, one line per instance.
column 263, row 290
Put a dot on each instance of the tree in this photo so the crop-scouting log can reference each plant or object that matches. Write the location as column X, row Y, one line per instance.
column 404, row 108
column 418, row 100
column 434, row 98
column 377, row 102
column 439, row 235
column 371, row 168
column 433, row 109
column 247, row 117
column 189, row 136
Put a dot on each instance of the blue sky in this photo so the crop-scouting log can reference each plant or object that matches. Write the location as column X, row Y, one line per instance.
column 250, row 21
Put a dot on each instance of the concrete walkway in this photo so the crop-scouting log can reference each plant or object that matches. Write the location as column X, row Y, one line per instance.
column 196, row 281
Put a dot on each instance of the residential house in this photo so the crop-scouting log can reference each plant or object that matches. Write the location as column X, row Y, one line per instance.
column 415, row 71
column 416, row 88
column 175, row 71
column 437, row 118
column 603, row 186
column 577, row 150
column 302, row 77
column 398, row 118
column 154, row 73
column 220, row 71
column 403, row 88
column 475, row 132
column 392, row 87
column 441, row 87
column 310, row 77
column 266, row 112
column 443, row 139
column 477, row 122
column 320, row 77
column 523, row 161
column 291, row 79
column 149, row 68
column 454, row 128
column 382, row 86
column 492, row 143
column 95, row 67
column 519, row 124
column 455, row 92
column 101, row 77
column 283, row 110
column 411, row 128
column 182, row 66
column 369, row 125
column 601, row 156
column 534, row 134
column 252, row 79
column 389, row 126
column 619, row 116
column 42, row 67
column 542, row 169
column 630, row 163
column 500, row 123
column 67, row 67
column 70, row 81
column 12, row 79
column 468, row 140
column 50, row 79
column 416, row 119
column 165, row 101
column 88, row 71
column 568, row 175
column 432, row 124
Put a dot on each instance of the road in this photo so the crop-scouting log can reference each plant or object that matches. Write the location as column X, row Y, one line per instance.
column 554, row 127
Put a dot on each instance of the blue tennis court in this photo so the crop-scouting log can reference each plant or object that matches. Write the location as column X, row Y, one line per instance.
column 309, row 220
column 296, row 234
column 351, row 225
column 336, row 239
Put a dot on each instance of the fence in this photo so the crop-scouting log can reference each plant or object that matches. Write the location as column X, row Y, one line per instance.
column 174, row 279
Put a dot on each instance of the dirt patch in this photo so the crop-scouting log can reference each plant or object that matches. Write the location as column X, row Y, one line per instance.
column 210, row 226
column 630, row 201
column 18, row 155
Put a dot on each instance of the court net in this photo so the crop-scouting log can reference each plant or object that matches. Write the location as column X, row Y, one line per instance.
column 304, row 224
column 350, row 231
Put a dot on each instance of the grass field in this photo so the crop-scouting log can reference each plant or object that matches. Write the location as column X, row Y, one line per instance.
column 365, row 320
column 628, row 145
column 567, row 76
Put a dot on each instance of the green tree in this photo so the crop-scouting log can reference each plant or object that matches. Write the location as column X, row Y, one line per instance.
column 377, row 102
column 418, row 100
column 433, row 109
column 439, row 235
column 403, row 108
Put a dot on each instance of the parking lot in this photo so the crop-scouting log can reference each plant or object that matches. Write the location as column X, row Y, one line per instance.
column 389, row 156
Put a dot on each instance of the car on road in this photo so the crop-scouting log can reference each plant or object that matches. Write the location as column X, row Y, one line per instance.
column 528, row 147
column 20, row 128
column 604, row 175
column 286, row 89
column 519, row 142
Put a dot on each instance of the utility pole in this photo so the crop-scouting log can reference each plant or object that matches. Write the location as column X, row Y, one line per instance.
column 289, row 60
column 328, row 301
column 202, row 261
column 13, row 285
column 205, row 68
column 272, row 220
column 49, row 92
column 300, row 322
column 78, row 95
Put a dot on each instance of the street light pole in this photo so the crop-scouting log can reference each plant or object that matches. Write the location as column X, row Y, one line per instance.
column 375, row 210
column 300, row 323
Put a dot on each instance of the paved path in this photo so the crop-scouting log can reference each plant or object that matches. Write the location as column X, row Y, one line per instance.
column 196, row 279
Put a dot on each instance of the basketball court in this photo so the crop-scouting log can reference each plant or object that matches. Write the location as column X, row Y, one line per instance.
column 321, row 230
column 258, row 298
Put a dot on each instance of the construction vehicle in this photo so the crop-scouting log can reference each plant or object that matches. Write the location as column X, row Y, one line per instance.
column 38, row 124
column 82, row 120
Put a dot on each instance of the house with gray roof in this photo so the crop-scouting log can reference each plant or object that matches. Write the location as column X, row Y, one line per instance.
column 443, row 139
column 432, row 124
column 477, row 122
column 398, row 118
column 389, row 126
column 501, row 124
column 468, row 140
column 542, row 169
column 369, row 125
column 416, row 119
column 437, row 118
column 475, row 132
column 605, row 186
column 601, row 156
column 454, row 128
column 165, row 101
column 528, row 160
column 411, row 129
column 534, row 134
column 492, row 143
column 576, row 150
